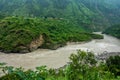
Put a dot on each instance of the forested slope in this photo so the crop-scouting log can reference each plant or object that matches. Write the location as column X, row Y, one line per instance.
column 91, row 14
column 20, row 34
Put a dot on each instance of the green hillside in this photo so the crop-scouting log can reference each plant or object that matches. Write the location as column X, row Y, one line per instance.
column 52, row 23
column 113, row 31
column 92, row 14
column 19, row 34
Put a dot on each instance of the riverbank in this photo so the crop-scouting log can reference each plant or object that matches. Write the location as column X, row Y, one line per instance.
column 106, row 55
column 58, row 58
column 114, row 30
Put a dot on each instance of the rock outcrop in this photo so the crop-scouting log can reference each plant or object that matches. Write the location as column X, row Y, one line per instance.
column 36, row 43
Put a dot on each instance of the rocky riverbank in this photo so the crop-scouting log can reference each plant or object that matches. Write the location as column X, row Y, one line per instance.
column 106, row 55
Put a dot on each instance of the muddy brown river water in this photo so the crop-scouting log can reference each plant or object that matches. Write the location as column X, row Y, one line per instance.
column 58, row 58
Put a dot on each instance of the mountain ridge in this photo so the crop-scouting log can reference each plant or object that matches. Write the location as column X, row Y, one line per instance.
column 91, row 14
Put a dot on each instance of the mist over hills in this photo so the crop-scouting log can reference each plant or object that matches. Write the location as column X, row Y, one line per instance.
column 91, row 14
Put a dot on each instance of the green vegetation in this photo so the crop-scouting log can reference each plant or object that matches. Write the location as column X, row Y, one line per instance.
column 16, row 33
column 2, row 16
column 113, row 30
column 91, row 14
column 59, row 22
column 113, row 64
column 82, row 66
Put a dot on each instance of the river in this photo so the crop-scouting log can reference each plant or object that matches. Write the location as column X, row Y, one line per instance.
column 58, row 58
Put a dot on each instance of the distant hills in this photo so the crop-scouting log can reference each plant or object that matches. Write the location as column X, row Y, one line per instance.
column 90, row 14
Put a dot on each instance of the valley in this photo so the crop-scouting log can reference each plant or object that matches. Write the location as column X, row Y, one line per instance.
column 84, row 34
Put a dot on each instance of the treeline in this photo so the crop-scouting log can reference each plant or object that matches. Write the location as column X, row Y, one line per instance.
column 113, row 30
column 82, row 66
column 16, row 33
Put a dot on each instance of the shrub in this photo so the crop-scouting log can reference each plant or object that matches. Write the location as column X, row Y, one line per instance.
column 113, row 64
